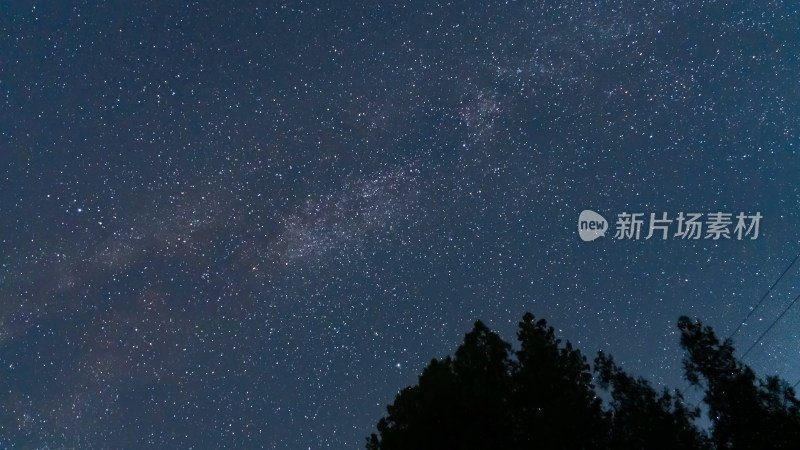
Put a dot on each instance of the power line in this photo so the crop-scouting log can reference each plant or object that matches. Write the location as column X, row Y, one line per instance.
column 772, row 325
column 763, row 298
column 774, row 322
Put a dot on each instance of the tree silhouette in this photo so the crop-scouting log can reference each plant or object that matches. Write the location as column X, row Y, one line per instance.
column 555, row 403
column 458, row 403
column 642, row 418
column 542, row 397
column 484, row 399
column 746, row 412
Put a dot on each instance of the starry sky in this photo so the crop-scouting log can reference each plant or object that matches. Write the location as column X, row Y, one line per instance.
column 250, row 224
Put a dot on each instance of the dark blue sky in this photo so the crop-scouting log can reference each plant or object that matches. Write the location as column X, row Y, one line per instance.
column 249, row 225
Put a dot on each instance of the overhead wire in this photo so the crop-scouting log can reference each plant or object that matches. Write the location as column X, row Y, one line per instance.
column 764, row 297
column 774, row 322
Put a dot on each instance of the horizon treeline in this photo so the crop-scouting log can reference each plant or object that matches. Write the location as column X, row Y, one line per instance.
column 543, row 396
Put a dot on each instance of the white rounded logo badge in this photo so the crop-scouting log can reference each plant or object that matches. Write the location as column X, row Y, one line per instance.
column 591, row 225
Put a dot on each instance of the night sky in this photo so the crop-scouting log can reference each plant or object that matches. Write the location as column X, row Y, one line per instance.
column 250, row 224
